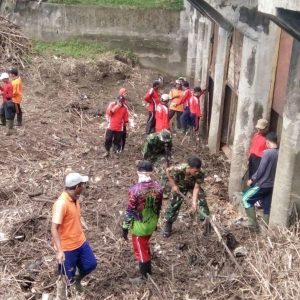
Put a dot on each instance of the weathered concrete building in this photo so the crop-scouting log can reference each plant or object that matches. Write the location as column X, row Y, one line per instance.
column 247, row 53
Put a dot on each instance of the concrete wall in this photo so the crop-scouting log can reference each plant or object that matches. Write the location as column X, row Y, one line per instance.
column 159, row 37
column 255, row 94
column 261, row 35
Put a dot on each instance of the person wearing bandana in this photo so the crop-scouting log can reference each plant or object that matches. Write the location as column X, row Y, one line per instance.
column 141, row 216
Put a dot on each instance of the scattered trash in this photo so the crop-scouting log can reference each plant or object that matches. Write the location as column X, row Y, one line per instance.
column 181, row 246
column 240, row 251
column 217, row 178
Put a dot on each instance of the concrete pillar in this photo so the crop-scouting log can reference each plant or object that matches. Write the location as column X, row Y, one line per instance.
column 287, row 181
column 220, row 75
column 206, row 53
column 255, row 93
column 199, row 51
column 192, row 44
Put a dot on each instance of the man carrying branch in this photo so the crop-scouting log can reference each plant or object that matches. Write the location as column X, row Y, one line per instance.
column 184, row 178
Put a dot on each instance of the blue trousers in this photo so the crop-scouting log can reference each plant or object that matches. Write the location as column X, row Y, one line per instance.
column 254, row 194
column 83, row 258
column 7, row 110
column 186, row 119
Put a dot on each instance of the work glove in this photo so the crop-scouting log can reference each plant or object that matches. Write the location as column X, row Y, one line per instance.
column 125, row 234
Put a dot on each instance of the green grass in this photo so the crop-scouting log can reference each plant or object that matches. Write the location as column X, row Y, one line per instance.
column 78, row 49
column 143, row 4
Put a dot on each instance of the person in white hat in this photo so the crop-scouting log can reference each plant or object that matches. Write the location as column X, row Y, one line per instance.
column 162, row 114
column 72, row 249
column 7, row 110
column 257, row 147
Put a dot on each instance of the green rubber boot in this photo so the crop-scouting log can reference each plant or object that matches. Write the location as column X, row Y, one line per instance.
column 266, row 219
column 251, row 214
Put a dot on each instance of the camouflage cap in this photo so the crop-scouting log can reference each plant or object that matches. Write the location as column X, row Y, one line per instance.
column 165, row 135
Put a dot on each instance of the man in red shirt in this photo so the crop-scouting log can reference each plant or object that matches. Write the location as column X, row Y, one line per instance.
column 258, row 145
column 195, row 109
column 117, row 116
column 152, row 97
column 7, row 111
column 185, row 118
column 162, row 114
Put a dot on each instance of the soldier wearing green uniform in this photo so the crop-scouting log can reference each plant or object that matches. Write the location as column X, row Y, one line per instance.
column 184, row 178
column 157, row 149
column 158, row 146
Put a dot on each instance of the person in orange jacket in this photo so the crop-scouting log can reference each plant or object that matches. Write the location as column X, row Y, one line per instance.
column 175, row 96
column 162, row 114
column 185, row 119
column 17, row 93
column 152, row 97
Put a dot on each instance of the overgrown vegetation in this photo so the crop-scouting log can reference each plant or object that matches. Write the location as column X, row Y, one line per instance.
column 70, row 48
column 79, row 49
column 143, row 4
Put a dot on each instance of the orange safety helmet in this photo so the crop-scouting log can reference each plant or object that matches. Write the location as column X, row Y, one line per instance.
column 122, row 92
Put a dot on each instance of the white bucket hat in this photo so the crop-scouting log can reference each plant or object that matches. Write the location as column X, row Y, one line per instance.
column 72, row 179
column 261, row 124
column 4, row 76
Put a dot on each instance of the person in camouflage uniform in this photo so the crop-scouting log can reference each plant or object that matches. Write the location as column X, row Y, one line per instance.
column 184, row 178
column 157, row 149
column 158, row 146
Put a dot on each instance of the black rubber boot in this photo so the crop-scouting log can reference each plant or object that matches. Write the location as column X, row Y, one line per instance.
column 145, row 270
column 167, row 229
column 19, row 119
column 78, row 285
column 10, row 125
column 3, row 120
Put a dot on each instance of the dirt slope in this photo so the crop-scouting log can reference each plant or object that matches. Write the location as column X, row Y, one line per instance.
column 63, row 130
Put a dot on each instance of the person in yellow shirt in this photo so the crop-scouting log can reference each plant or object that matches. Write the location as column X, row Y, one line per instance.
column 17, row 93
column 175, row 95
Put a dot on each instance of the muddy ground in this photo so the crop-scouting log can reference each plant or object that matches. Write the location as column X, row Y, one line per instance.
column 64, row 130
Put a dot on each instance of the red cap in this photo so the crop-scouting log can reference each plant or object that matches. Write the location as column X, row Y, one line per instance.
column 122, row 91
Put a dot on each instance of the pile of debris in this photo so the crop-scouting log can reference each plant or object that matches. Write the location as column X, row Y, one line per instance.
column 64, row 130
column 14, row 46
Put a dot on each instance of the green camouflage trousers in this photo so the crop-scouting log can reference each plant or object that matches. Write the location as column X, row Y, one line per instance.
column 175, row 204
column 159, row 167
